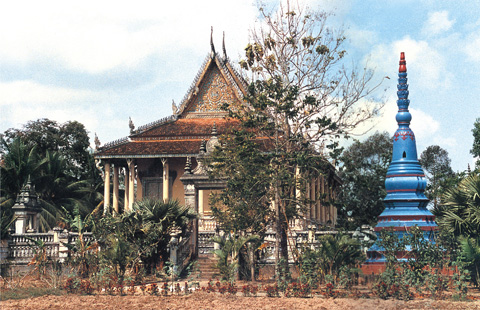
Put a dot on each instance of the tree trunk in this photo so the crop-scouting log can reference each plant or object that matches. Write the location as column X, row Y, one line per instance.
column 278, row 228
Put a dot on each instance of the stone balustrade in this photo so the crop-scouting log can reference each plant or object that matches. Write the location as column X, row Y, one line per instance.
column 21, row 248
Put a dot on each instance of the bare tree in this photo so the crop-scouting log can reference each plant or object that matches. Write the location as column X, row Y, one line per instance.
column 295, row 45
column 301, row 99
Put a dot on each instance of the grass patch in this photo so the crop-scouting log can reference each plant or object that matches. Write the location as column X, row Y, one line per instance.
column 23, row 293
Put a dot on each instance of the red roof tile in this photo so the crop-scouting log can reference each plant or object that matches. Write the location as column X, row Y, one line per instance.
column 188, row 127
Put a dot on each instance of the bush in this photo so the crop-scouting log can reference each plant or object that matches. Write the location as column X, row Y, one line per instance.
column 272, row 290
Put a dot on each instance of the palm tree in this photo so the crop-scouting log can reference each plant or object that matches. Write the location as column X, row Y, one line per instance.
column 461, row 208
column 19, row 162
column 230, row 246
column 461, row 216
column 152, row 225
column 60, row 193
column 332, row 253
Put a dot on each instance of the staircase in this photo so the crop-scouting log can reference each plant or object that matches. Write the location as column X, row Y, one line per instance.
column 206, row 268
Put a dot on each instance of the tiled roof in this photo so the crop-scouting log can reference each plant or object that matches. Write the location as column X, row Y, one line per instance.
column 181, row 137
column 187, row 127
column 152, row 148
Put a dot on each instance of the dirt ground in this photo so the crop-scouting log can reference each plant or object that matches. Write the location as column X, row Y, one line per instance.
column 204, row 300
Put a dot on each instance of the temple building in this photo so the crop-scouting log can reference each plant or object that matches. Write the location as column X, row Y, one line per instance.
column 405, row 183
column 160, row 159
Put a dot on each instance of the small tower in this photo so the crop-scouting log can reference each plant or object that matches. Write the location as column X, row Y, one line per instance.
column 405, row 203
column 26, row 210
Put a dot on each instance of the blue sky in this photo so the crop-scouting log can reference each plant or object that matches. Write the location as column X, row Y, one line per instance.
column 101, row 62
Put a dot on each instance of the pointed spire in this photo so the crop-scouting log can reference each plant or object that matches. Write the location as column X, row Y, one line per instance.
column 402, row 63
column 188, row 165
column 203, row 146
column 469, row 170
column 211, row 43
column 403, row 116
column 214, row 129
column 224, row 50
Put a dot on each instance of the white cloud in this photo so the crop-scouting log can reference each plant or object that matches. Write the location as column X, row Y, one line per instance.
column 423, row 125
column 437, row 23
column 360, row 38
column 428, row 64
column 472, row 47
column 29, row 93
column 97, row 36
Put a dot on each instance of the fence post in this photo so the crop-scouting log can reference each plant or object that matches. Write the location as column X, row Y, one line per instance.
column 61, row 238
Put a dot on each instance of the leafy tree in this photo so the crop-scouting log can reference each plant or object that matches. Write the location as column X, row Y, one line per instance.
column 244, row 205
column 299, row 98
column 475, row 151
column 439, row 173
column 363, row 167
column 70, row 139
column 56, row 159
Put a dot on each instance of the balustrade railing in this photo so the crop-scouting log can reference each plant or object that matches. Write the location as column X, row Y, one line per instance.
column 23, row 247
column 29, row 237
column 205, row 243
column 207, row 223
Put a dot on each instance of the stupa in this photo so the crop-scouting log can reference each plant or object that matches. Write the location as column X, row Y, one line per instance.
column 405, row 203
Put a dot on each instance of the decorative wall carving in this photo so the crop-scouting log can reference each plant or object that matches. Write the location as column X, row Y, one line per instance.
column 213, row 92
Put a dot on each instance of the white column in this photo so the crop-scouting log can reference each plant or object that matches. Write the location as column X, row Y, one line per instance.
column 200, row 202
column 166, row 177
column 106, row 194
column 127, row 182
column 115, row 188
column 131, row 184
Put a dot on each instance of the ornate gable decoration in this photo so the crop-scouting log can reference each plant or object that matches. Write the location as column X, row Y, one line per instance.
column 213, row 92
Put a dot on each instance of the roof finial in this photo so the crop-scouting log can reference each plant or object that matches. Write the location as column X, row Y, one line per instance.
column 131, row 125
column 211, row 42
column 223, row 48
column 214, row 129
column 403, row 63
column 188, row 165
column 174, row 107
column 203, row 146
column 97, row 142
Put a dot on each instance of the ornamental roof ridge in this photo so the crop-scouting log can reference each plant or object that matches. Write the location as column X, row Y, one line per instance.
column 114, row 143
column 191, row 89
column 228, row 68
column 150, row 125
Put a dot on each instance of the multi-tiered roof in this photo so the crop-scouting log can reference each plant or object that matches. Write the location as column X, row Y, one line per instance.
column 217, row 83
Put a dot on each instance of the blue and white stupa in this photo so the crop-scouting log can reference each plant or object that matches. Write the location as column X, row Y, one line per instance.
column 405, row 203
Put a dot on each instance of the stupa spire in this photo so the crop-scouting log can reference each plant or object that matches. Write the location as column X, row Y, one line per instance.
column 405, row 182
